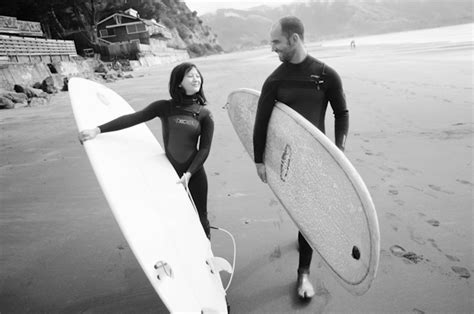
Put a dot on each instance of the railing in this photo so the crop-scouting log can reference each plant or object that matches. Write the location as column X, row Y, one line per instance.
column 26, row 46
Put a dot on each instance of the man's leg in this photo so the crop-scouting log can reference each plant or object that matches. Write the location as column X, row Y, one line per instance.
column 304, row 287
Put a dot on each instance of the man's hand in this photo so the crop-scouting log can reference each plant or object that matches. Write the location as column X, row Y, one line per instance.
column 262, row 173
column 88, row 134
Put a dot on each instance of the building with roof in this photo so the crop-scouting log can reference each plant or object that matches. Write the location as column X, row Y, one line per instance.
column 129, row 27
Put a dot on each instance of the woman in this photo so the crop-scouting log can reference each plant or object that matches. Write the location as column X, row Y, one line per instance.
column 187, row 131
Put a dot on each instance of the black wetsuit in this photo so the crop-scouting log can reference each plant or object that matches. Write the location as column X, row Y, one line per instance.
column 307, row 88
column 184, row 126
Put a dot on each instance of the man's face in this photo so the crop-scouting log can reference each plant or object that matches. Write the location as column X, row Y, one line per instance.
column 281, row 45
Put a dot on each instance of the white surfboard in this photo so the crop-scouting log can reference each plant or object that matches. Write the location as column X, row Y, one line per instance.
column 154, row 213
column 318, row 186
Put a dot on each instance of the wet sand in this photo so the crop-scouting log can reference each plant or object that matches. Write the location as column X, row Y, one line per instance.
column 410, row 137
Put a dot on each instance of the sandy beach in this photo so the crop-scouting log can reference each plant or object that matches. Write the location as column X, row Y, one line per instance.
column 410, row 137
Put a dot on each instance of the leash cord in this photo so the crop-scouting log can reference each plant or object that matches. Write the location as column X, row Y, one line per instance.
column 220, row 229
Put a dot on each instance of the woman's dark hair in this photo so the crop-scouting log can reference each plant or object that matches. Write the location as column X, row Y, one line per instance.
column 176, row 92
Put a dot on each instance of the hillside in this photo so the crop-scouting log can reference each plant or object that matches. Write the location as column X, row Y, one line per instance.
column 64, row 19
column 240, row 29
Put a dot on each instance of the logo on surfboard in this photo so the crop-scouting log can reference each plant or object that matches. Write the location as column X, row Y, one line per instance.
column 285, row 163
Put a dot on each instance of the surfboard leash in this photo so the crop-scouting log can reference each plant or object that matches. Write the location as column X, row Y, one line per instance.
column 220, row 229
column 235, row 253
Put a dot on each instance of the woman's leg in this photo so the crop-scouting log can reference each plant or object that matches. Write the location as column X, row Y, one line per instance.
column 198, row 188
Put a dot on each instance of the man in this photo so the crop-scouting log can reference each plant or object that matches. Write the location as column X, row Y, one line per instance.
column 306, row 85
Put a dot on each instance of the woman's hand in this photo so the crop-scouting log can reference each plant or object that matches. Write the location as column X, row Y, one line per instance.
column 184, row 180
column 88, row 134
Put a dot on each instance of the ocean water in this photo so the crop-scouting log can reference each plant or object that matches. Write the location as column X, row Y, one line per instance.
column 456, row 34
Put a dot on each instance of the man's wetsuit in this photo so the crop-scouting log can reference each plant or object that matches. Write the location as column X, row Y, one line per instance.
column 307, row 88
column 184, row 126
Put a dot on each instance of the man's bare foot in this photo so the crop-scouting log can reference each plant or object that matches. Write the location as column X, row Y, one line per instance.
column 304, row 287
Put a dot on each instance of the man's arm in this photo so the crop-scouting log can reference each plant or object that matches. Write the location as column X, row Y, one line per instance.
column 337, row 100
column 264, row 111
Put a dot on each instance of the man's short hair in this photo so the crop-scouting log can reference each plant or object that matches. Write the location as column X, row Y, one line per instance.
column 292, row 25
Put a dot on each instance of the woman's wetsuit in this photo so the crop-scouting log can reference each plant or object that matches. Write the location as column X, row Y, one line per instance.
column 184, row 126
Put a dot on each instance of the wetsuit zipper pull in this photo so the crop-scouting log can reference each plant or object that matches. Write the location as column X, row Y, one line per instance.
column 317, row 81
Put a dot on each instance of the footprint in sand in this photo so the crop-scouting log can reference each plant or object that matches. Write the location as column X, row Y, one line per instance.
column 452, row 258
column 433, row 243
column 392, row 216
column 439, row 189
column 433, row 222
column 275, row 254
column 464, row 182
column 400, row 202
column 461, row 271
column 408, row 257
column 415, row 237
column 323, row 293
column 403, row 168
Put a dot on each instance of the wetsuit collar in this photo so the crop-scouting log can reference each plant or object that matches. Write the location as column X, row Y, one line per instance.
column 189, row 100
column 302, row 63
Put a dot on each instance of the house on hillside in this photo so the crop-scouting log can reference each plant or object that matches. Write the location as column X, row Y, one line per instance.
column 128, row 27
column 127, row 36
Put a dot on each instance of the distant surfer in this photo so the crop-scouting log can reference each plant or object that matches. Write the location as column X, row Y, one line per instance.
column 188, row 129
column 353, row 44
column 306, row 85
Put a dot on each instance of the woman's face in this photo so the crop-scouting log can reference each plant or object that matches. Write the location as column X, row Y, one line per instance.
column 191, row 82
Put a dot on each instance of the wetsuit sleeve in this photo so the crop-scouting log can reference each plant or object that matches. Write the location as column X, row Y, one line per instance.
column 205, row 141
column 266, row 102
column 151, row 111
column 337, row 100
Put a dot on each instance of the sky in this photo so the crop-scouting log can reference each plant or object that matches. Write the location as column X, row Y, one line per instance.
column 207, row 6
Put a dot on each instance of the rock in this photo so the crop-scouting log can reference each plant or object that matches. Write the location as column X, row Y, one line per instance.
column 39, row 93
column 38, row 101
column 101, row 68
column 117, row 66
column 48, row 85
column 15, row 97
column 111, row 76
column 23, row 89
column 6, row 103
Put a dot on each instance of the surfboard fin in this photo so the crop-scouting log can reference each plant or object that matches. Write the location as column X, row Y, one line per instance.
column 218, row 264
column 163, row 270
